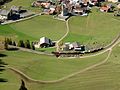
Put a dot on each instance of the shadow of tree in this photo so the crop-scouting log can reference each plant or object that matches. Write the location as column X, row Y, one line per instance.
column 2, row 55
column 12, row 49
column 2, row 68
column 22, row 87
column 3, row 80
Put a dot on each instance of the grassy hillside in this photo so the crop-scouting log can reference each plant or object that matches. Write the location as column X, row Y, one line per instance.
column 46, row 67
column 41, row 67
column 98, row 28
column 35, row 28
column 13, row 81
column 103, row 77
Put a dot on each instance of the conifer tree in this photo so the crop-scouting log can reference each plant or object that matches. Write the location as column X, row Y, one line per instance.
column 13, row 43
column 27, row 44
column 21, row 43
column 32, row 46
column 6, row 44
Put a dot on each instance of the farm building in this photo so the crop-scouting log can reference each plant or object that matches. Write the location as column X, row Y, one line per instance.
column 44, row 42
column 14, row 13
column 75, row 7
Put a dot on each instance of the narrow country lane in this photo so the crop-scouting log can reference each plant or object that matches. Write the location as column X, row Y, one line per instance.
column 67, row 31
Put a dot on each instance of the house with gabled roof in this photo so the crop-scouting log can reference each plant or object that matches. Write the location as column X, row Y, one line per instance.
column 44, row 42
column 15, row 13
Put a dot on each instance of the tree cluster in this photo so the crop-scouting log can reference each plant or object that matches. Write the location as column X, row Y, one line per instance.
column 21, row 43
column 8, row 41
column 26, row 44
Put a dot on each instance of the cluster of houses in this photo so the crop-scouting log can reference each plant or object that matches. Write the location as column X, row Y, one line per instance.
column 15, row 13
column 71, row 7
column 65, row 7
column 75, row 7
column 49, row 7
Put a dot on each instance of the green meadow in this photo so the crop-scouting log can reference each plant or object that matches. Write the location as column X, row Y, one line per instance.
column 42, row 67
column 96, row 29
column 34, row 29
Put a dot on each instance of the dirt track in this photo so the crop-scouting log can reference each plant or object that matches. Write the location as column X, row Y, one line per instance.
column 67, row 29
